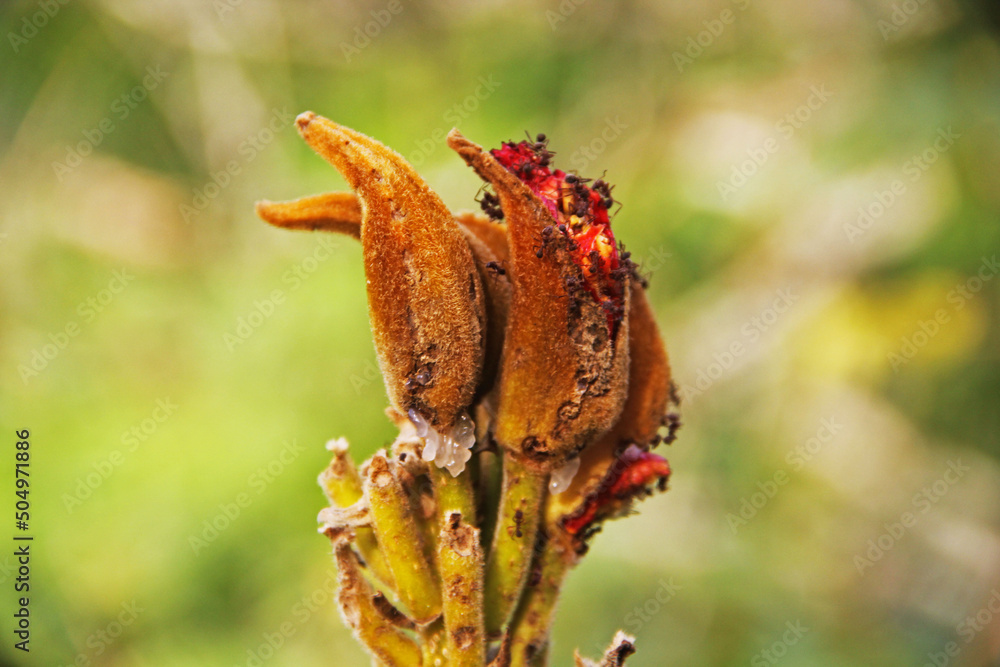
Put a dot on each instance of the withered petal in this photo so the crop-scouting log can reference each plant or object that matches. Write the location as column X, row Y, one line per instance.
column 338, row 212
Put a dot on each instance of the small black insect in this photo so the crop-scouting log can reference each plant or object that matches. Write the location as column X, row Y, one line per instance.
column 496, row 268
column 490, row 203
column 516, row 528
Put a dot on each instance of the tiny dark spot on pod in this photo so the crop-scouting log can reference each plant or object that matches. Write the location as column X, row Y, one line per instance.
column 454, row 519
column 569, row 410
column 531, row 444
column 389, row 612
column 463, row 637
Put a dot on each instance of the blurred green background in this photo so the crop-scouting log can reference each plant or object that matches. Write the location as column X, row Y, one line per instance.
column 813, row 189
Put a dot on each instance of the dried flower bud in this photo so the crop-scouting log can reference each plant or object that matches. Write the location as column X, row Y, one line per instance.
column 340, row 212
column 615, row 470
column 425, row 296
column 565, row 357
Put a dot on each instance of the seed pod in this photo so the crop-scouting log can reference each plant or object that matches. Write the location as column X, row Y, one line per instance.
column 608, row 479
column 565, row 358
column 425, row 297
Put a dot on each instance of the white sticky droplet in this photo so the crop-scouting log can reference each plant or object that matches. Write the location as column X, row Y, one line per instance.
column 419, row 423
column 451, row 450
column 562, row 477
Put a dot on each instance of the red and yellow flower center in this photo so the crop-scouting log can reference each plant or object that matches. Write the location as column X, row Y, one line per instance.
column 580, row 212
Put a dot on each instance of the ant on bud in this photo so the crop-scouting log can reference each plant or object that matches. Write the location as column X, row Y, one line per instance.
column 515, row 530
column 490, row 204
column 602, row 188
column 496, row 268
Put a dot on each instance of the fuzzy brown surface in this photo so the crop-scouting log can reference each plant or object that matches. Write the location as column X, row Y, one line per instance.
column 425, row 297
column 563, row 377
column 338, row 212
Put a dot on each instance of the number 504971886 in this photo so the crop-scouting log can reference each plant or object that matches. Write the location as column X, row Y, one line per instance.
column 21, row 481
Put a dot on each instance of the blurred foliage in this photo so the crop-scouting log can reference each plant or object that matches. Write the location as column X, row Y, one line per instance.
column 756, row 147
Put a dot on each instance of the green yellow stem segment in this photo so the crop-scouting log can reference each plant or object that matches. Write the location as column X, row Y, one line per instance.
column 399, row 538
column 389, row 645
column 532, row 621
column 342, row 486
column 513, row 542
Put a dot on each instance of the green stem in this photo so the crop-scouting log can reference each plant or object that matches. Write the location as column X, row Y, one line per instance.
column 460, row 562
column 432, row 645
column 533, row 619
column 453, row 494
column 490, row 481
column 342, row 486
column 513, row 541
column 390, row 647
column 399, row 537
